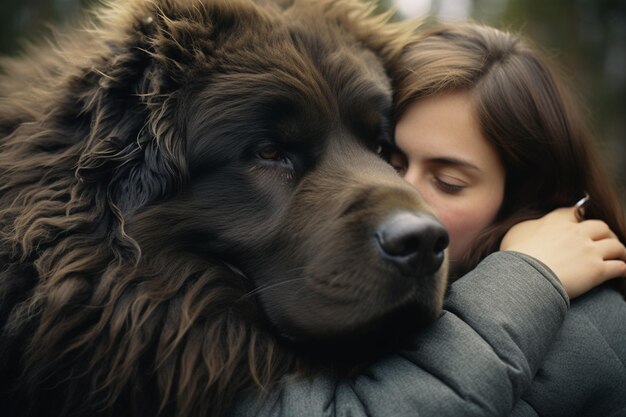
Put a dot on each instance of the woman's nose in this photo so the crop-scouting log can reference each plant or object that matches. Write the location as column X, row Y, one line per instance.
column 411, row 175
column 414, row 176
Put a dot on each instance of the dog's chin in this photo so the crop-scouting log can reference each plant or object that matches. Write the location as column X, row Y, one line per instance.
column 328, row 338
column 350, row 350
column 371, row 308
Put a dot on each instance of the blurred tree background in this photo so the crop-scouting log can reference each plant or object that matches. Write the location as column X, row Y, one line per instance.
column 586, row 38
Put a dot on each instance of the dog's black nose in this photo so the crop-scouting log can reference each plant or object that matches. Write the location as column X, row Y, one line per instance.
column 415, row 242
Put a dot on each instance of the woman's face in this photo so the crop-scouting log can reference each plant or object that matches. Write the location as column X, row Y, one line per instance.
column 452, row 165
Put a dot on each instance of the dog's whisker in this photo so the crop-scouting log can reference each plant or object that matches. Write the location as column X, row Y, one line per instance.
column 262, row 288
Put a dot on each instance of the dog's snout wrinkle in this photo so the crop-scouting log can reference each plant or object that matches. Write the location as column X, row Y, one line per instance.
column 414, row 242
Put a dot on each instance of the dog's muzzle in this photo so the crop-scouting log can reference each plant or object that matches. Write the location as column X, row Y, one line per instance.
column 414, row 242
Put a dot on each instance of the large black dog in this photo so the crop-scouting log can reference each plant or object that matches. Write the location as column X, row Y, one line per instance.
column 193, row 190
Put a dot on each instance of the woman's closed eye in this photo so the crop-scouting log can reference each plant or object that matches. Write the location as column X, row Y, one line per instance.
column 448, row 184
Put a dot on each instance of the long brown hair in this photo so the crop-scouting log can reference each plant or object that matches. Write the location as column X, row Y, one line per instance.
column 525, row 112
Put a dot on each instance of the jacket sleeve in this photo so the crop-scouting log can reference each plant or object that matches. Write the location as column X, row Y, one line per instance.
column 584, row 374
column 476, row 360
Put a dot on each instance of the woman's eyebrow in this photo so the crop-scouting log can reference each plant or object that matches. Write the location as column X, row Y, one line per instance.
column 456, row 162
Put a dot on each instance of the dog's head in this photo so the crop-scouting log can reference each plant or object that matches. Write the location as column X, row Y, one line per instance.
column 178, row 166
column 255, row 134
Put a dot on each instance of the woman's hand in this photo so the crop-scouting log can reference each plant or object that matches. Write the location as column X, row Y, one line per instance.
column 581, row 254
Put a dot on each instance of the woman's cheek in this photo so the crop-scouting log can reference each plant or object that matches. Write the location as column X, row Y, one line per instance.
column 457, row 233
column 463, row 225
column 462, row 216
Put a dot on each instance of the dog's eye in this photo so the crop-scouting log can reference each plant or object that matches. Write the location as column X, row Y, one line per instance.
column 272, row 154
column 275, row 155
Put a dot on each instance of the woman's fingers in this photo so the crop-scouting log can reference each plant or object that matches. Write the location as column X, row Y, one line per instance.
column 614, row 269
column 582, row 254
column 611, row 249
column 596, row 229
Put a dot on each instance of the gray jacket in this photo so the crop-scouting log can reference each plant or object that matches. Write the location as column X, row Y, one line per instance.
column 503, row 346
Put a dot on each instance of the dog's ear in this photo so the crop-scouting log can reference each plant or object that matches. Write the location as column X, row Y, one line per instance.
column 136, row 97
column 131, row 160
column 134, row 147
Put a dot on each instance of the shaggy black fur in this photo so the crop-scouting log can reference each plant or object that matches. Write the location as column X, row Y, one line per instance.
column 190, row 189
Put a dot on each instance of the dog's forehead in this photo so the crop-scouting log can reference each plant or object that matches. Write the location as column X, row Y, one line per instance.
column 353, row 73
column 296, row 58
column 351, row 70
column 295, row 43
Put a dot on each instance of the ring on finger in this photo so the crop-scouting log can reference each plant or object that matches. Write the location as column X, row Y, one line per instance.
column 580, row 207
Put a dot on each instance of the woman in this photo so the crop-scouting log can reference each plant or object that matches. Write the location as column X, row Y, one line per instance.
column 490, row 139
column 474, row 97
